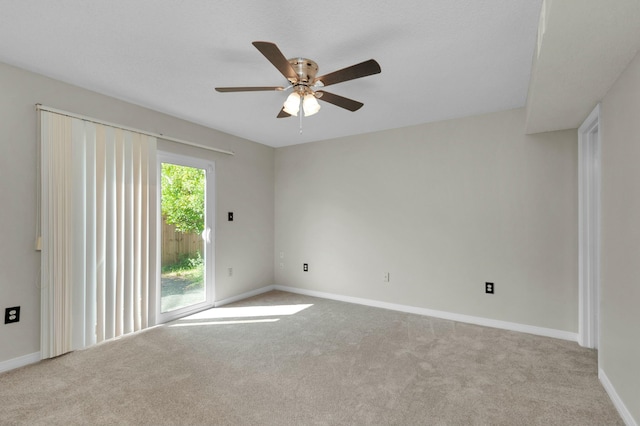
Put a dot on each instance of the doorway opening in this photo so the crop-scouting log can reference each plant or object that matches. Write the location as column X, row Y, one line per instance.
column 185, row 236
column 589, row 229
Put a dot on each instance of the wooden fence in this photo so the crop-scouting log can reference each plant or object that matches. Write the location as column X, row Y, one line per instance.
column 176, row 245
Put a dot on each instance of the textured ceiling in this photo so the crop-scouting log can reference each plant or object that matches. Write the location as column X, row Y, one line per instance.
column 440, row 59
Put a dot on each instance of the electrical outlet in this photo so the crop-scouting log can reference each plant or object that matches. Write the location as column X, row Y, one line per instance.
column 386, row 277
column 305, row 267
column 230, row 272
column 488, row 288
column 281, row 255
column 12, row 315
column 281, row 265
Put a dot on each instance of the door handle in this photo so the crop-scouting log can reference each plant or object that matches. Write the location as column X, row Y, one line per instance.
column 206, row 235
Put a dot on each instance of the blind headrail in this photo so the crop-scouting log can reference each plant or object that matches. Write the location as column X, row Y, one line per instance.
column 41, row 107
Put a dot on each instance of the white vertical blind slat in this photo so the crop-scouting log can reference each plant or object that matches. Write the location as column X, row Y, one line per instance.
column 136, row 230
column 101, row 233
column 91, row 230
column 129, row 237
column 65, row 253
column 119, row 231
column 147, row 158
column 78, row 254
column 111, row 241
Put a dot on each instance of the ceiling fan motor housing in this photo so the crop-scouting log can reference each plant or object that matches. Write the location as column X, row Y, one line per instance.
column 306, row 70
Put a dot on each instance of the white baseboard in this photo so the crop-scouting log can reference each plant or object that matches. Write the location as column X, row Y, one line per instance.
column 523, row 328
column 615, row 398
column 487, row 322
column 19, row 362
column 243, row 296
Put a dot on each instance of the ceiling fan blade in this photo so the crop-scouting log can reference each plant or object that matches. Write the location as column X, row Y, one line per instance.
column 283, row 114
column 249, row 89
column 340, row 101
column 275, row 56
column 362, row 69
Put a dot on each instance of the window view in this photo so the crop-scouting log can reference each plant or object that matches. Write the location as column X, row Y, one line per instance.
column 182, row 246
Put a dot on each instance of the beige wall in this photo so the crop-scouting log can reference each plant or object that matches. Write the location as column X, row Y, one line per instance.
column 620, row 276
column 244, row 184
column 444, row 208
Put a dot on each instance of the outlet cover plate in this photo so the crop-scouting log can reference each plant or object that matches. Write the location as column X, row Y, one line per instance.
column 12, row 315
column 488, row 288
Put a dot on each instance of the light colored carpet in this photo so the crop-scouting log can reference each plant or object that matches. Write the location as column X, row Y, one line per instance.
column 331, row 363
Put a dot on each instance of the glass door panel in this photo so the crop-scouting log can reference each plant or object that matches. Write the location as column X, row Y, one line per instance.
column 184, row 238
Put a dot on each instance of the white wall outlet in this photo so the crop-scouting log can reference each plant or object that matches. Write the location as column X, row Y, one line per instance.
column 386, row 277
column 281, row 255
column 230, row 272
column 281, row 265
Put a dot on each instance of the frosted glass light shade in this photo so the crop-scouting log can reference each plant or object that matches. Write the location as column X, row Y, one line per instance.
column 310, row 105
column 292, row 104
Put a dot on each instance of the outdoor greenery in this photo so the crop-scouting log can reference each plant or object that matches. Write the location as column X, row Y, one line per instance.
column 183, row 197
column 184, row 265
column 184, row 276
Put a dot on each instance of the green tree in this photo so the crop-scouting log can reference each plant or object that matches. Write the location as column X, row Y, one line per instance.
column 183, row 197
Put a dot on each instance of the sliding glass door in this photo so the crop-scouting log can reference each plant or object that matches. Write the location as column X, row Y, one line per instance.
column 185, row 236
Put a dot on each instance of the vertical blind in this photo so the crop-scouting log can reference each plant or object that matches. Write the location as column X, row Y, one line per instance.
column 96, row 215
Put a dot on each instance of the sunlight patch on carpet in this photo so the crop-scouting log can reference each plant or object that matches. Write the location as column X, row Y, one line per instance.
column 247, row 312
column 191, row 324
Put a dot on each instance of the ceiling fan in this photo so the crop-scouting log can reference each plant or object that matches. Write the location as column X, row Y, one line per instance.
column 301, row 74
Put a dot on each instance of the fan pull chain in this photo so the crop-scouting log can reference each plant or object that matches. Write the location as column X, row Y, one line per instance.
column 300, row 114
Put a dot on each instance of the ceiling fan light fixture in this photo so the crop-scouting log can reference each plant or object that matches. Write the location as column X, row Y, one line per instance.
column 301, row 76
column 292, row 104
column 310, row 105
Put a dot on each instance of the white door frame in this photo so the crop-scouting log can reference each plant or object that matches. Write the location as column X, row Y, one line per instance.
column 208, row 235
column 589, row 149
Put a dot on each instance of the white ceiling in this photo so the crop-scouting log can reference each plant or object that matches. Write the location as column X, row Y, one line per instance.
column 440, row 59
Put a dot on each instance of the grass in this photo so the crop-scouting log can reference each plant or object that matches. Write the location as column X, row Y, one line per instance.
column 183, row 277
